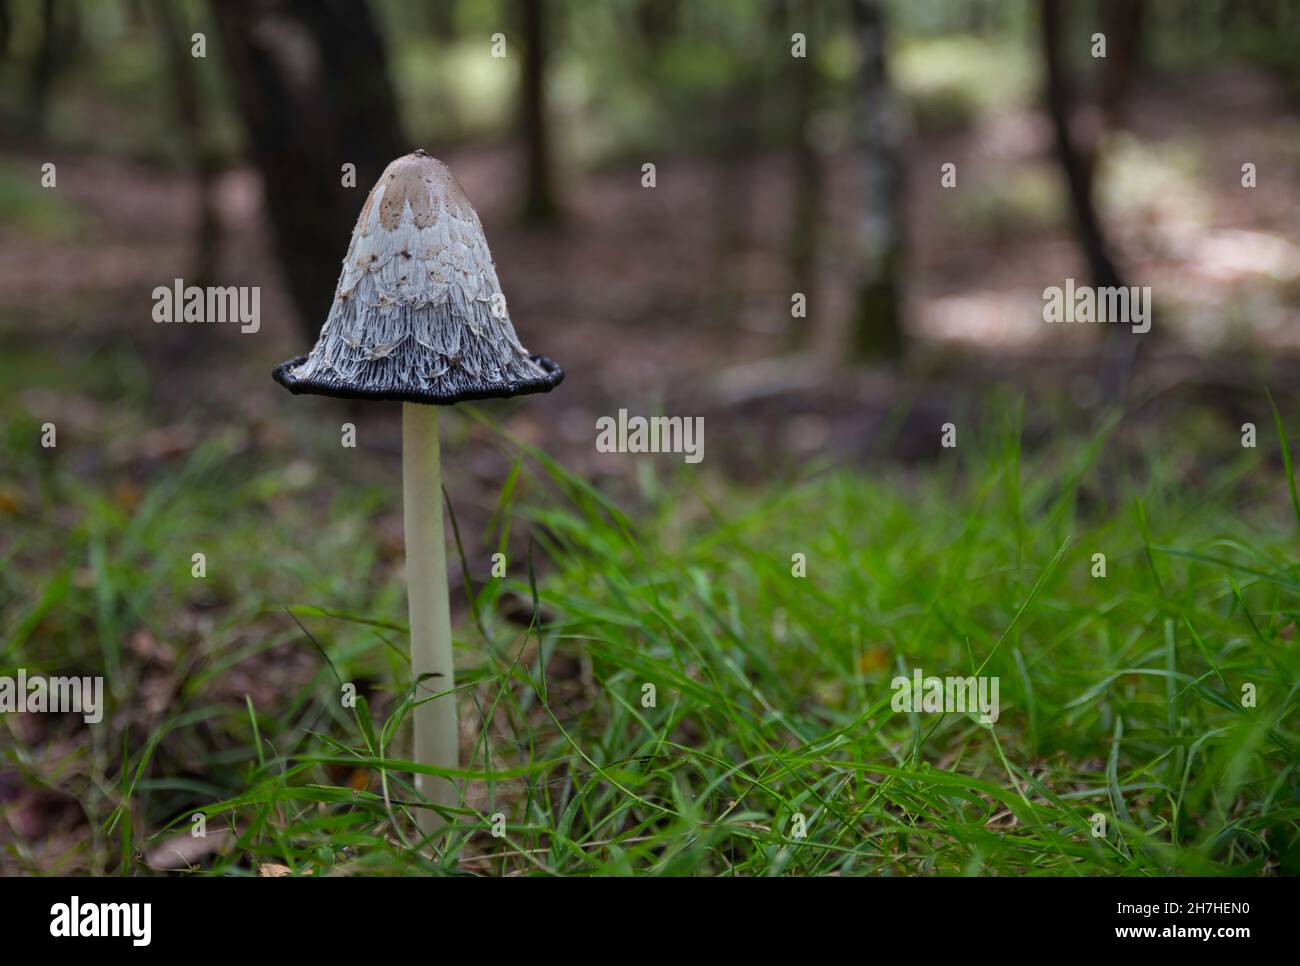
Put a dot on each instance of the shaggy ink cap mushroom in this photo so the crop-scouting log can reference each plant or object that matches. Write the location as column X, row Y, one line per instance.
column 415, row 315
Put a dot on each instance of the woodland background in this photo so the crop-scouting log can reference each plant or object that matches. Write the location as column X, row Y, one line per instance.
column 774, row 175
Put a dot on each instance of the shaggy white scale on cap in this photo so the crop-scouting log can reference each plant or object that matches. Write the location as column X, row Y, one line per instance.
column 415, row 315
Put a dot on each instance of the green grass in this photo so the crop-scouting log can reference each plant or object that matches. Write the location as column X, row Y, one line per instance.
column 1120, row 696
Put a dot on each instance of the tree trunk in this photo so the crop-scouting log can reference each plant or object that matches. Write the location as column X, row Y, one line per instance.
column 6, row 28
column 733, row 192
column 1122, row 23
column 191, row 118
column 806, row 217
column 658, row 21
column 442, row 20
column 1074, row 162
column 44, row 68
column 876, row 327
column 311, row 81
column 540, row 206
column 1119, row 345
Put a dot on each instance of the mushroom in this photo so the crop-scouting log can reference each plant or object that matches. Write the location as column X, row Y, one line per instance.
column 423, row 334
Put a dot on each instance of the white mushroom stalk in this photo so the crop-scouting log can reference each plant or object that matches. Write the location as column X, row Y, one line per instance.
column 418, row 317
column 429, row 605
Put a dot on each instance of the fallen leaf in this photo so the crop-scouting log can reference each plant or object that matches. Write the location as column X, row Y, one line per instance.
column 126, row 495
column 874, row 659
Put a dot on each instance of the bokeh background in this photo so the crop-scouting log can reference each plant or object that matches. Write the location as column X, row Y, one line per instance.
column 774, row 175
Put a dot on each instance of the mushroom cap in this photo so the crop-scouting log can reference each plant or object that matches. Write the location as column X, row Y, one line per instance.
column 418, row 314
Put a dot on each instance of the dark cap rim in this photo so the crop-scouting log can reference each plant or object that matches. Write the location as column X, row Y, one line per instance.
column 341, row 390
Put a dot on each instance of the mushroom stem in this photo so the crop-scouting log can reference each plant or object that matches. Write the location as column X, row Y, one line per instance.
column 426, row 588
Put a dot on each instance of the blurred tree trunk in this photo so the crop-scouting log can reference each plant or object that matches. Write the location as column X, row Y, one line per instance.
column 806, row 219
column 1119, row 345
column 1122, row 23
column 6, row 28
column 733, row 174
column 59, row 44
column 540, row 206
column 739, row 123
column 876, row 326
column 44, row 67
column 311, row 81
column 658, row 21
column 1075, row 161
column 191, row 116
column 443, row 20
